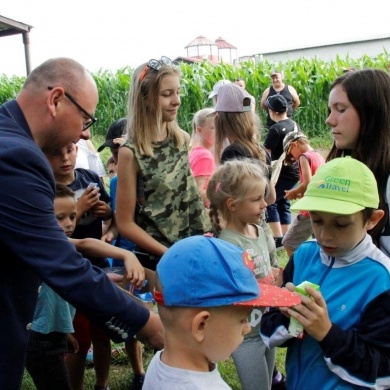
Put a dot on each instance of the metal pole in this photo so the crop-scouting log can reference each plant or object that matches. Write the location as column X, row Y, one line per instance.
column 26, row 42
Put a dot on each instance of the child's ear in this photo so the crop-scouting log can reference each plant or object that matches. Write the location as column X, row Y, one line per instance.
column 376, row 216
column 231, row 205
column 199, row 325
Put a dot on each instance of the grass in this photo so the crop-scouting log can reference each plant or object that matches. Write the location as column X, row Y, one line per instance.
column 121, row 373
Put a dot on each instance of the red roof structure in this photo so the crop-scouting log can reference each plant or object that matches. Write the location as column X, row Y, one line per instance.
column 226, row 51
column 222, row 44
column 202, row 48
column 200, row 41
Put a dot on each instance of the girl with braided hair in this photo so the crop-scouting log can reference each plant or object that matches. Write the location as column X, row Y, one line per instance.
column 236, row 193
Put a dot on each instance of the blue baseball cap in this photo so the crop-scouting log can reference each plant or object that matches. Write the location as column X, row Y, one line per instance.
column 202, row 271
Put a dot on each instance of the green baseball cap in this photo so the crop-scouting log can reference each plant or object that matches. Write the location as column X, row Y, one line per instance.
column 341, row 186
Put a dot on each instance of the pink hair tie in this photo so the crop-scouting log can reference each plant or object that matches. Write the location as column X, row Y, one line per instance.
column 217, row 187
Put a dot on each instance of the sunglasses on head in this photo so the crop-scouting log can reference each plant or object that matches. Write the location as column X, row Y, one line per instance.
column 293, row 142
column 155, row 65
column 290, row 147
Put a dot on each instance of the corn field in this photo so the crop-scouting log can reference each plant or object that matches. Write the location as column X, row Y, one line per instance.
column 310, row 77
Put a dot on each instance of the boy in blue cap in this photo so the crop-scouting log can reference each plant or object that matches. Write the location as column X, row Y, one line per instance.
column 345, row 342
column 205, row 290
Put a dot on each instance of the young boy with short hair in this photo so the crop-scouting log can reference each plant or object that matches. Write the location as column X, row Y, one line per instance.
column 92, row 210
column 112, row 167
column 50, row 335
column 346, row 338
column 205, row 290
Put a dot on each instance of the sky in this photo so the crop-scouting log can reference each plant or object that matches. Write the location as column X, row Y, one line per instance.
column 109, row 35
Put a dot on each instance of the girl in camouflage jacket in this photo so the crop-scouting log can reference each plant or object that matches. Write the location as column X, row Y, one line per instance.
column 158, row 202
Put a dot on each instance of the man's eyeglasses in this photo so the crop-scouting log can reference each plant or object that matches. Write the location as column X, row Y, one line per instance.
column 92, row 119
column 155, row 65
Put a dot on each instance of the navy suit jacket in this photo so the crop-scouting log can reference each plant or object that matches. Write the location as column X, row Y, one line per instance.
column 35, row 248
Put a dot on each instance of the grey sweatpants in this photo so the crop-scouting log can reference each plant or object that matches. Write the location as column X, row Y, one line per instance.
column 254, row 362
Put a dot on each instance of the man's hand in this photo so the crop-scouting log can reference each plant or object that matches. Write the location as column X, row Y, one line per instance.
column 152, row 333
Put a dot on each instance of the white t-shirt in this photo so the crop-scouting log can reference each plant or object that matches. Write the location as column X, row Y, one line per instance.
column 87, row 159
column 159, row 376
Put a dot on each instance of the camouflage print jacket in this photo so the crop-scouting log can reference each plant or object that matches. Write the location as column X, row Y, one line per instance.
column 170, row 208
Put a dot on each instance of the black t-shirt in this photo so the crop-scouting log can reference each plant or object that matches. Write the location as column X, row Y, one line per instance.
column 236, row 151
column 274, row 143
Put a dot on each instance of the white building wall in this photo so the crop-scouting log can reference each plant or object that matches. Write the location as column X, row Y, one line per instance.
column 329, row 52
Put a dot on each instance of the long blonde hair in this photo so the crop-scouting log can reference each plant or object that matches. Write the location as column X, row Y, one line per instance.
column 242, row 128
column 144, row 118
column 201, row 117
column 234, row 179
column 199, row 120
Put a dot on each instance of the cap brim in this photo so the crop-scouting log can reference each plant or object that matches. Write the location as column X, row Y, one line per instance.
column 109, row 143
column 273, row 296
column 326, row 205
column 212, row 94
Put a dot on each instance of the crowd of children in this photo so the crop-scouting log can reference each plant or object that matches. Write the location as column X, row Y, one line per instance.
column 220, row 296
